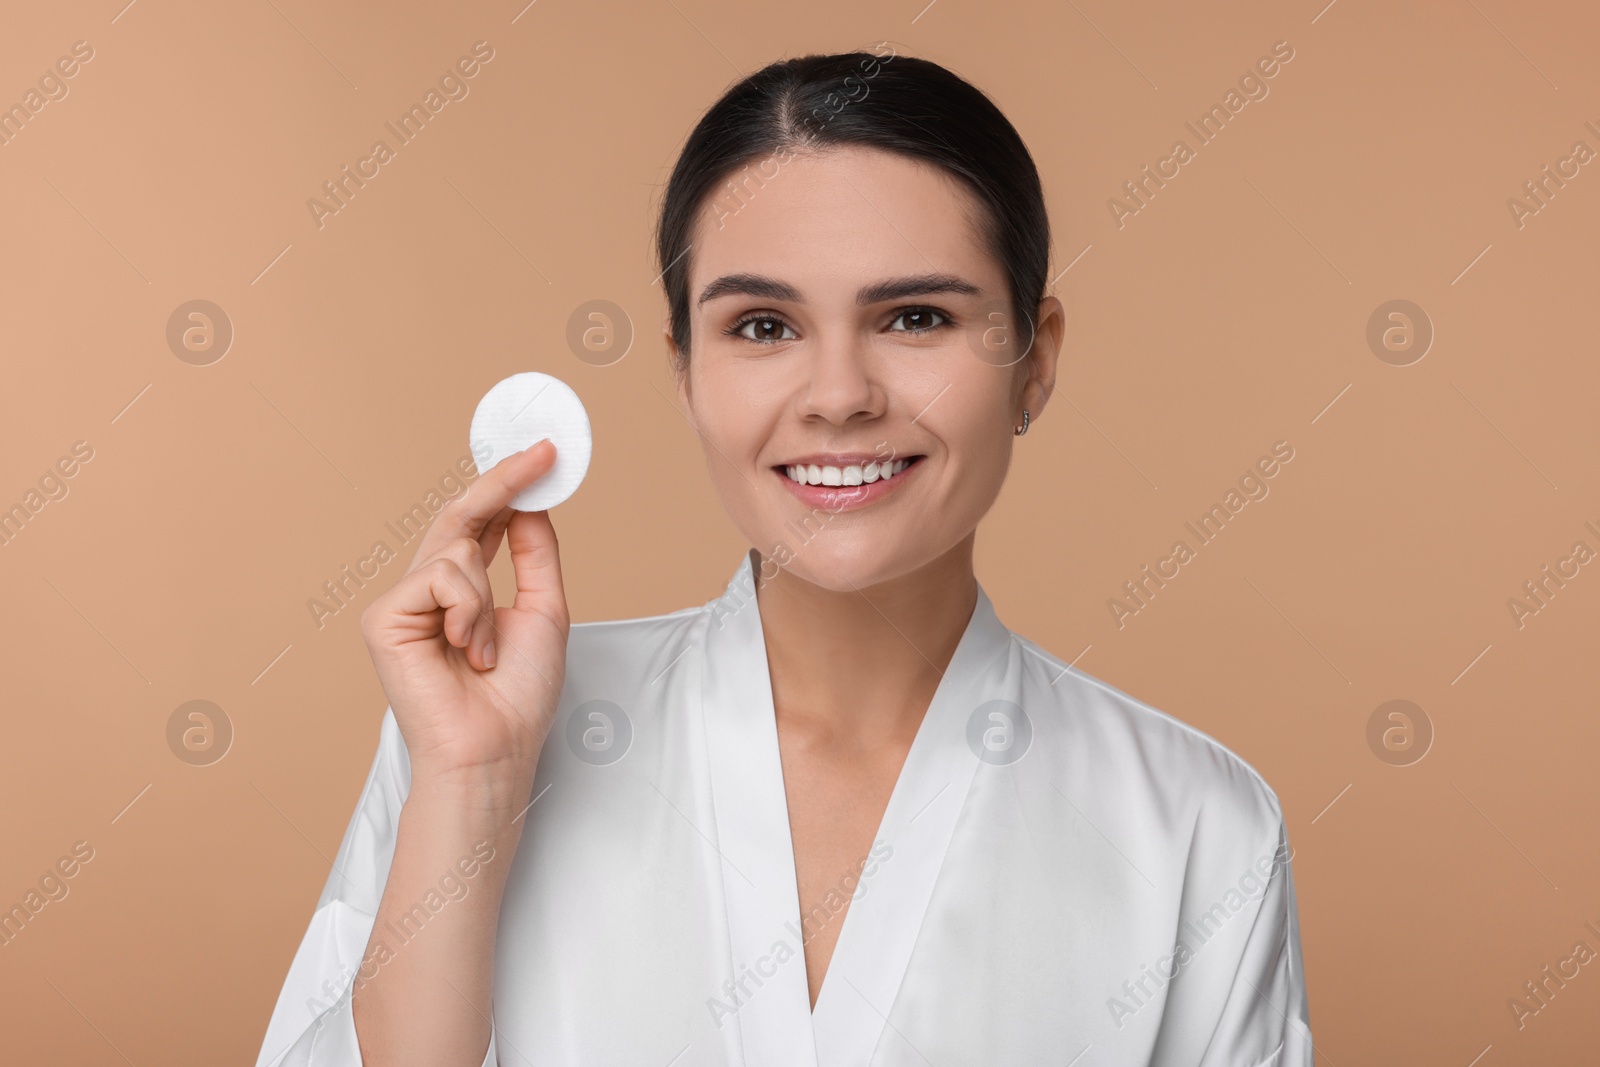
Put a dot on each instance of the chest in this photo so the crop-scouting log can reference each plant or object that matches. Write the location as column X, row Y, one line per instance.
column 836, row 799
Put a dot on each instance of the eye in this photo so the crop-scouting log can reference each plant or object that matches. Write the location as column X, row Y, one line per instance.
column 766, row 329
column 920, row 319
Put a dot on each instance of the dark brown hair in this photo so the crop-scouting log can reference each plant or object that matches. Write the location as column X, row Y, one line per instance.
column 896, row 103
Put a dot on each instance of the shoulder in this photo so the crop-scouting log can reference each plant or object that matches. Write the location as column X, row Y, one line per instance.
column 1141, row 753
column 626, row 652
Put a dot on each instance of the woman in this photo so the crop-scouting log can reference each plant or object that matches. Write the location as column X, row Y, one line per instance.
column 839, row 815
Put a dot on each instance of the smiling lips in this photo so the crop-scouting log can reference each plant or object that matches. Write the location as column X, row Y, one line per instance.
column 842, row 484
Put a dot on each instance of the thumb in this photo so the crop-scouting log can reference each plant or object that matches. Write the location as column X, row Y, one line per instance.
column 536, row 562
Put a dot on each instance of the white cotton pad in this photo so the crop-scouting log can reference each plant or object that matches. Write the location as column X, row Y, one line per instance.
column 526, row 408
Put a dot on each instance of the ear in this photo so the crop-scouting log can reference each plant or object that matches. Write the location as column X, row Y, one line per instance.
column 1042, row 358
column 680, row 373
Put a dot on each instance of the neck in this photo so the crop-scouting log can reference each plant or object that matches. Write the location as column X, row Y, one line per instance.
column 862, row 666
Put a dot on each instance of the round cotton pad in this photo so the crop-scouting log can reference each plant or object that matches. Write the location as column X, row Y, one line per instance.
column 523, row 409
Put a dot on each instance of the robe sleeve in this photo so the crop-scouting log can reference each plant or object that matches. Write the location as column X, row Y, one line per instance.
column 311, row 1025
column 1268, row 993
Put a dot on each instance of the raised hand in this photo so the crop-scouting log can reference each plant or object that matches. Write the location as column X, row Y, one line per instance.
column 474, row 687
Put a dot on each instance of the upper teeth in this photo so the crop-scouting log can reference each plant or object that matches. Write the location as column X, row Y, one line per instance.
column 855, row 474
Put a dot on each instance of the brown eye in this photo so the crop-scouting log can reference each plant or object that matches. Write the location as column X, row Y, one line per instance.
column 920, row 320
column 763, row 329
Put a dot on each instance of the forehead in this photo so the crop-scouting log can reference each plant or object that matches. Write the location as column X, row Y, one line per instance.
column 827, row 221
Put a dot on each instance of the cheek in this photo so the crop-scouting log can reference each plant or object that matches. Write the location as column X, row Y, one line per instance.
column 735, row 417
column 976, row 441
column 980, row 455
column 977, row 422
column 734, row 411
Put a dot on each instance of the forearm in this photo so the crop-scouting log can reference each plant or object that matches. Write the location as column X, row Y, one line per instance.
column 423, row 994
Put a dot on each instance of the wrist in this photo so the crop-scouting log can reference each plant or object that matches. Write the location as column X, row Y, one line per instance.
column 493, row 783
column 471, row 805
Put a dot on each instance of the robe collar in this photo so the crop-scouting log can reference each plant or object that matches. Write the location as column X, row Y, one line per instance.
column 766, row 995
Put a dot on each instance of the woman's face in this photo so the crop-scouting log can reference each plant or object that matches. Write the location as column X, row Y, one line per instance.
column 844, row 320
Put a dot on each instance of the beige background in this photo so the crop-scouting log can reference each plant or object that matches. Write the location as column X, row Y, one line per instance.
column 1228, row 314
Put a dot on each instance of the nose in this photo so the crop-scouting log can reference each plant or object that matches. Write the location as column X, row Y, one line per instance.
column 841, row 383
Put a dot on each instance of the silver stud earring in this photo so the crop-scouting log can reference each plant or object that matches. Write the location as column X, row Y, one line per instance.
column 1020, row 430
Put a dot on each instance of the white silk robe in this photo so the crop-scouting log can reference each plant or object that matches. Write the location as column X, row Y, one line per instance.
column 1063, row 875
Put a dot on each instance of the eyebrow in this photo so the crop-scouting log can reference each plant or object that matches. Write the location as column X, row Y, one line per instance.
column 890, row 289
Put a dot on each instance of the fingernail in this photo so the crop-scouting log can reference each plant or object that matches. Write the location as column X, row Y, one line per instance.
column 488, row 653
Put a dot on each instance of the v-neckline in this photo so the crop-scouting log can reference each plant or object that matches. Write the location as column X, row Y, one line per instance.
column 768, row 996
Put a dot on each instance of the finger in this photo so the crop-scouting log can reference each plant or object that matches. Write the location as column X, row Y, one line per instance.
column 440, row 585
column 536, row 561
column 470, row 514
column 489, row 540
column 468, row 555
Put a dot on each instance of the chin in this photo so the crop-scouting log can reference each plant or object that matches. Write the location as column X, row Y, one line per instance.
column 843, row 566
